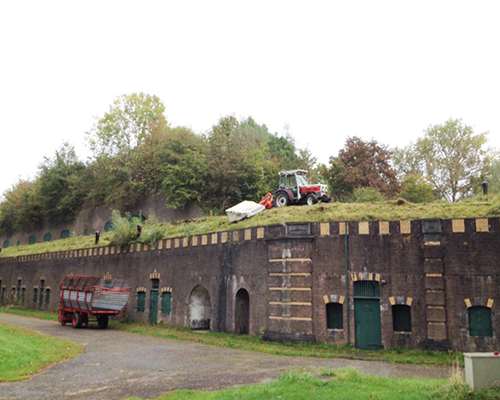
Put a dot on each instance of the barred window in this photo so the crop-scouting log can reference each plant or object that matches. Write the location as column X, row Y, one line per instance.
column 141, row 301
column 166, row 301
column 480, row 321
column 401, row 318
column 334, row 316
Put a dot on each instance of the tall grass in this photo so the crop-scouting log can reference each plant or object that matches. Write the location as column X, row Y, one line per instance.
column 479, row 206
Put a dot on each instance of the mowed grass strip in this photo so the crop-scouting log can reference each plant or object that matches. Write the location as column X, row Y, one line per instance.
column 24, row 352
column 344, row 383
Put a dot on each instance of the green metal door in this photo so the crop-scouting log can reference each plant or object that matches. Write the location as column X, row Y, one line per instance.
column 153, row 306
column 367, row 324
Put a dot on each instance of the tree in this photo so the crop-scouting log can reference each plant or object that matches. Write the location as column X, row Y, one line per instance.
column 449, row 156
column 59, row 187
column 126, row 124
column 416, row 190
column 360, row 165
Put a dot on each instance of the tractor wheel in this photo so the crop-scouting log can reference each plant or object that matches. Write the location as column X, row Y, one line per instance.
column 325, row 198
column 281, row 199
column 77, row 320
column 102, row 321
column 311, row 199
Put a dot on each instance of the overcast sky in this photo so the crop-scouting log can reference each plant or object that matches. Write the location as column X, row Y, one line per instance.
column 382, row 70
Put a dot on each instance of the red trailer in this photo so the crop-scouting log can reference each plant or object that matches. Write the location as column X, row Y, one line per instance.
column 84, row 296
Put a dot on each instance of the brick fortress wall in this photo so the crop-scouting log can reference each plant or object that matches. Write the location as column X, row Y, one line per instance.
column 278, row 280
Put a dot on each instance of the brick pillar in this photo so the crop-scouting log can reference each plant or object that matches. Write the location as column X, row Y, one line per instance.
column 435, row 295
column 290, row 313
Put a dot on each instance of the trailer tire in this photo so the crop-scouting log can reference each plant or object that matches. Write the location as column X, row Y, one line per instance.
column 77, row 320
column 102, row 321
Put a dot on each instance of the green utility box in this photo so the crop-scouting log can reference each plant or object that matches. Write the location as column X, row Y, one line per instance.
column 482, row 369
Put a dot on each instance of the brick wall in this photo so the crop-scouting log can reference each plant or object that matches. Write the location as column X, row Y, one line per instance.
column 438, row 269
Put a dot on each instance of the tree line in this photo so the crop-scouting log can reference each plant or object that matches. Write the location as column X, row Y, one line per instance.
column 136, row 153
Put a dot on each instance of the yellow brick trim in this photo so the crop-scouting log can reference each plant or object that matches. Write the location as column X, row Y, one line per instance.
column 405, row 227
column 468, row 303
column 176, row 243
column 154, row 275
column 489, row 303
column 169, row 243
column 107, row 276
column 290, row 303
column 160, row 245
column 458, row 225
column 377, row 277
column 140, row 289
column 409, row 300
column 194, row 241
column 291, row 318
column 482, row 225
column 224, row 237
column 214, row 238
column 392, row 300
column 431, row 275
column 363, row 228
column 383, row 227
column 236, row 236
column 342, row 228
column 204, row 240
column 260, row 232
column 248, row 234
column 298, row 289
column 185, row 242
column 131, row 248
column 326, row 299
column 324, row 229
column 166, row 289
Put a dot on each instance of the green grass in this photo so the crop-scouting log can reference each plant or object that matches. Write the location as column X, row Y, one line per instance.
column 24, row 352
column 480, row 206
column 397, row 355
column 344, row 383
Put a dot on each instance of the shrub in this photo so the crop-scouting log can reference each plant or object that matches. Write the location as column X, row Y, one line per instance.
column 367, row 194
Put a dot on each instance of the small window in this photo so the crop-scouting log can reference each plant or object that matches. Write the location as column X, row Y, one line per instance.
column 47, row 237
column 155, row 284
column 47, row 297
column 334, row 317
column 367, row 289
column 23, row 295
column 166, row 301
column 35, row 295
column 6, row 244
column 401, row 318
column 64, row 234
column 32, row 240
column 480, row 321
column 141, row 301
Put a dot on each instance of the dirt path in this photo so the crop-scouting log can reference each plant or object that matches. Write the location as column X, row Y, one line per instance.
column 116, row 364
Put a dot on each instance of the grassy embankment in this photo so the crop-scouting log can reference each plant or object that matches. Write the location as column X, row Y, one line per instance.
column 24, row 352
column 481, row 206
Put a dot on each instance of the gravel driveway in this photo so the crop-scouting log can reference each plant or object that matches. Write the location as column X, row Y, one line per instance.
column 117, row 364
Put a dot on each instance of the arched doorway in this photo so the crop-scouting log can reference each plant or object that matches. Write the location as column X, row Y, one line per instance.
column 200, row 309
column 242, row 312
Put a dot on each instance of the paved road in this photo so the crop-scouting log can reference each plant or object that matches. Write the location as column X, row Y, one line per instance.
column 117, row 364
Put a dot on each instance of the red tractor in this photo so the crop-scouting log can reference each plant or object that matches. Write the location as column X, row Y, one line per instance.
column 294, row 189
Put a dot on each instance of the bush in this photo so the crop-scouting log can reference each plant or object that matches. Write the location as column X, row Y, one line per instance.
column 124, row 229
column 367, row 194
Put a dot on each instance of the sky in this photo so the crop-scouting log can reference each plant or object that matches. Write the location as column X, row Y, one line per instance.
column 321, row 70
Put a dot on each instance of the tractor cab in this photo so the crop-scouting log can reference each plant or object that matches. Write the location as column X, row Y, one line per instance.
column 294, row 189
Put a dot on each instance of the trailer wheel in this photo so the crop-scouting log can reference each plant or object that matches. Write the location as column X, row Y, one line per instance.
column 102, row 321
column 77, row 320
